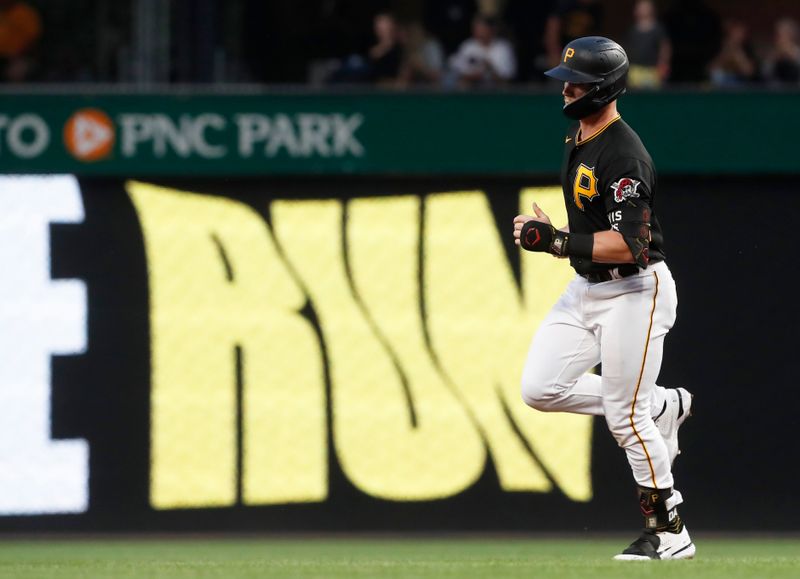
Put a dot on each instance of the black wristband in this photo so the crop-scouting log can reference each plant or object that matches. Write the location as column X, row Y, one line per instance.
column 580, row 245
column 540, row 236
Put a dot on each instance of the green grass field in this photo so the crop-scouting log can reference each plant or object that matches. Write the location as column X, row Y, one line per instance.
column 418, row 558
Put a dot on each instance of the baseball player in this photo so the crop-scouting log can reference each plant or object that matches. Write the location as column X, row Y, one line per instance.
column 621, row 304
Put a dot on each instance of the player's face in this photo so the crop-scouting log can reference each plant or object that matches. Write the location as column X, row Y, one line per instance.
column 573, row 91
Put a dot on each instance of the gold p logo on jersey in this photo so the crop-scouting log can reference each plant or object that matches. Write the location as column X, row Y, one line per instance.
column 569, row 54
column 585, row 185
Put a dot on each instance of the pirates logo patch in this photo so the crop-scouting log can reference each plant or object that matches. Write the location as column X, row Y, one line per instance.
column 585, row 185
column 625, row 188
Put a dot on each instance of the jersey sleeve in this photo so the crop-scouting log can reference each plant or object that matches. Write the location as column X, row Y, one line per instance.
column 628, row 187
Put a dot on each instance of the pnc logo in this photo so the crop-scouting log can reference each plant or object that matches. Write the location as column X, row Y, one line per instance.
column 89, row 135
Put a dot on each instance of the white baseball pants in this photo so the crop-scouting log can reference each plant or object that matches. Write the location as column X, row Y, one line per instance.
column 621, row 324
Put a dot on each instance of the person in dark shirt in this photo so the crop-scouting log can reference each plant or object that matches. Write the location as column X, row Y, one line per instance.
column 648, row 48
column 622, row 302
column 381, row 64
column 386, row 54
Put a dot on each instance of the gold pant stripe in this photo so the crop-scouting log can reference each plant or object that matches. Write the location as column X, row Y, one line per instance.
column 639, row 383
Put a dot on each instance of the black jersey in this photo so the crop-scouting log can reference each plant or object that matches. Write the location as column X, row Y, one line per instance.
column 609, row 182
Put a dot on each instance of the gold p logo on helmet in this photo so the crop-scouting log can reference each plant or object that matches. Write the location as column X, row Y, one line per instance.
column 569, row 54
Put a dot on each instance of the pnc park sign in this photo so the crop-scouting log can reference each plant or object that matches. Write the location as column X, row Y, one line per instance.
column 277, row 134
column 97, row 138
column 369, row 133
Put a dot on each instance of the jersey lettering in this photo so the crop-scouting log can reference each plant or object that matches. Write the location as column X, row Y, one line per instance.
column 585, row 185
column 614, row 217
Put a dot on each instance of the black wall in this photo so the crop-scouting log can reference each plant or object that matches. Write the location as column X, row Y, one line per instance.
column 731, row 252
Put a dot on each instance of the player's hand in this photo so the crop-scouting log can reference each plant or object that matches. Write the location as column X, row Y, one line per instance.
column 540, row 215
column 521, row 220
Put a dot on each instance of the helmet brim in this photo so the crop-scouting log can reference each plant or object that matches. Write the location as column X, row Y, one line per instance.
column 565, row 74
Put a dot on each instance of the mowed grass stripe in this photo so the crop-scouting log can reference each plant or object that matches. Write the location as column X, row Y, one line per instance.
column 386, row 558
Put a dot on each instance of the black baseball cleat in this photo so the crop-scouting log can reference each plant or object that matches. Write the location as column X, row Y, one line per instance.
column 659, row 545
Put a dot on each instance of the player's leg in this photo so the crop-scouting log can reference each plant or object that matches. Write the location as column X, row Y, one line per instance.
column 634, row 317
column 669, row 407
column 628, row 377
column 563, row 350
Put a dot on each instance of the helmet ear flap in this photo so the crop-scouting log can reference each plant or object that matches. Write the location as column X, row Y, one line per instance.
column 614, row 94
column 613, row 87
column 584, row 106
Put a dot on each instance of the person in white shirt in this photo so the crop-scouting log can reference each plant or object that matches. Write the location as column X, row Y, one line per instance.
column 483, row 59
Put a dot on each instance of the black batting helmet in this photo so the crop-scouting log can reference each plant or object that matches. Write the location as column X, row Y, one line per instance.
column 597, row 61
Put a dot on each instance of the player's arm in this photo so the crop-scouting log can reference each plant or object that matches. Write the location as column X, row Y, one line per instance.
column 610, row 247
column 538, row 234
column 628, row 199
column 630, row 225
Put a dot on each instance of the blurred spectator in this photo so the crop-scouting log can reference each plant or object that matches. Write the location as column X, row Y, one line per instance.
column 423, row 56
column 386, row 54
column 736, row 63
column 571, row 19
column 695, row 32
column 648, row 48
column 381, row 64
column 20, row 29
column 484, row 59
column 782, row 65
